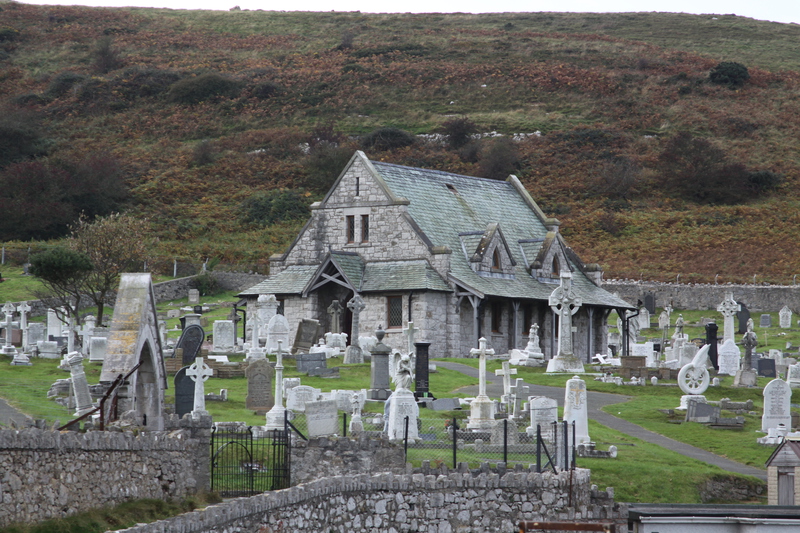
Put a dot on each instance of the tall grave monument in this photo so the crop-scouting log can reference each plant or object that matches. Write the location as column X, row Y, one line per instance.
column 481, row 409
column 353, row 353
column 565, row 303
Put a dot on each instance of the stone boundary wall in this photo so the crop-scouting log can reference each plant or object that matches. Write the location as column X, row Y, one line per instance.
column 759, row 298
column 237, row 281
column 456, row 501
column 329, row 456
column 49, row 474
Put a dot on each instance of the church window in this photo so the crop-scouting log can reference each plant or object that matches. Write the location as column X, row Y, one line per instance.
column 364, row 228
column 351, row 228
column 358, row 185
column 496, row 260
column 556, row 267
column 394, row 311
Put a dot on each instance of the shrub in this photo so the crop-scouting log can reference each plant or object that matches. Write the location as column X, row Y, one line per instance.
column 204, row 153
column 764, row 180
column 206, row 283
column 266, row 90
column 143, row 82
column 498, row 159
column 458, row 131
column 203, row 87
column 324, row 162
column 729, row 73
column 62, row 83
column 8, row 34
column 274, row 206
column 387, row 139
column 104, row 57
column 619, row 178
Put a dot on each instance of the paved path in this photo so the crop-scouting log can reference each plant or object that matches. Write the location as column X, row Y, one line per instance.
column 8, row 413
column 596, row 400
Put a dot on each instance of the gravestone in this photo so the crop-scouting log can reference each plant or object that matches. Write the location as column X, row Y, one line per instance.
column 266, row 309
column 728, row 308
column 743, row 316
column 277, row 331
column 224, row 336
column 729, row 358
column 565, row 302
column 322, row 418
column 309, row 362
column 421, row 370
column 194, row 297
column 702, row 412
column 290, row 383
column 446, row 404
column 36, row 332
column 184, row 392
column 49, row 349
column 379, row 370
column 711, row 341
column 23, row 309
column 644, row 318
column 766, row 368
column 260, row 375
column 173, row 313
column 80, row 385
column 191, row 341
column 576, row 409
column 785, row 317
column 192, row 319
column 199, row 372
column 307, row 334
column 543, row 411
column 403, row 410
column 54, row 324
column 777, row 405
column 353, row 353
column 766, row 321
column 793, row 376
column 335, row 313
column 98, row 347
column 481, row 409
column 299, row 396
column 650, row 303
column 344, row 399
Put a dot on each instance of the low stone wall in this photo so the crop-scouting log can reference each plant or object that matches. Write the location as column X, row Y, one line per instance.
column 50, row 474
column 237, row 281
column 445, row 503
column 759, row 298
column 328, row 457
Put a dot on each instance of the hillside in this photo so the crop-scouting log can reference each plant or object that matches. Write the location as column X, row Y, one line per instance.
column 652, row 169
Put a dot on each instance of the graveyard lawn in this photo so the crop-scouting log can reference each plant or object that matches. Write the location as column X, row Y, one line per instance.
column 16, row 286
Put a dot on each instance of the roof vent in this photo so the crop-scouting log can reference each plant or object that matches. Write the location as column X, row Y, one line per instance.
column 451, row 188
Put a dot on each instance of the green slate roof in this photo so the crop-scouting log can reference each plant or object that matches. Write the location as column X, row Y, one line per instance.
column 449, row 207
column 291, row 280
column 402, row 275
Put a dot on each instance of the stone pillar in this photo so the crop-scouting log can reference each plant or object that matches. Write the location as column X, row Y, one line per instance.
column 275, row 416
column 379, row 369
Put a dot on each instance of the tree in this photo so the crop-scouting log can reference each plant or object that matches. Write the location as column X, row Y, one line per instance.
column 114, row 244
column 62, row 272
column 729, row 73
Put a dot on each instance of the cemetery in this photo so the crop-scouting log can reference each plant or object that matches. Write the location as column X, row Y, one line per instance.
column 438, row 418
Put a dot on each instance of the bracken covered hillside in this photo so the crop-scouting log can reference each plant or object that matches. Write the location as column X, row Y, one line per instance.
column 221, row 127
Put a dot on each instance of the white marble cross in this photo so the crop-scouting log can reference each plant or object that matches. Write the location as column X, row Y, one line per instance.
column 86, row 333
column 481, row 352
column 506, row 372
column 199, row 372
column 410, row 332
column 23, row 308
column 276, row 416
column 356, row 305
column 565, row 303
column 8, row 309
column 728, row 308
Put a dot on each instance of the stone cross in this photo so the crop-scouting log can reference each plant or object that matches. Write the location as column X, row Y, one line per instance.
column 86, row 333
column 565, row 303
column 506, row 372
column 410, row 332
column 335, row 312
column 481, row 352
column 199, row 372
column 71, row 335
column 728, row 308
column 23, row 309
column 8, row 309
column 356, row 305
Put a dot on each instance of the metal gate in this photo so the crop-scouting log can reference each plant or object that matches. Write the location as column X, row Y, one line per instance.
column 243, row 464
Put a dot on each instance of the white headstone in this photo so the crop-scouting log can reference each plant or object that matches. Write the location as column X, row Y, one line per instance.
column 224, row 336
column 53, row 324
column 402, row 404
column 277, row 331
column 80, row 385
column 194, row 297
column 777, row 405
column 793, row 376
column 729, row 356
column 785, row 317
column 322, row 418
column 576, row 409
column 297, row 397
column 544, row 411
column 644, row 318
column 98, row 347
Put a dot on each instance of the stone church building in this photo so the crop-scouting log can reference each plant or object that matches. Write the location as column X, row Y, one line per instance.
column 461, row 257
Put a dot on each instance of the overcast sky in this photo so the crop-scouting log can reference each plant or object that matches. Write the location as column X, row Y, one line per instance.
column 775, row 10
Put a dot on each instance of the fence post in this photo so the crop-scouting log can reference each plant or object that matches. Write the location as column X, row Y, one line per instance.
column 574, row 449
column 405, row 438
column 344, row 424
column 538, row 449
column 566, row 445
column 505, row 441
column 455, row 442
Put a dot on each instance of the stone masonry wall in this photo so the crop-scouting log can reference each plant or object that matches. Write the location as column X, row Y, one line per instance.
column 759, row 298
column 459, row 501
column 49, row 474
column 330, row 456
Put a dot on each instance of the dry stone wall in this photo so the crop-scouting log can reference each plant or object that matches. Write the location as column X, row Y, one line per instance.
column 328, row 457
column 759, row 298
column 50, row 474
column 457, row 501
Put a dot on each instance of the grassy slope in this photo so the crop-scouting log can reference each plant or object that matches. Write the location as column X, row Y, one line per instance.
column 617, row 74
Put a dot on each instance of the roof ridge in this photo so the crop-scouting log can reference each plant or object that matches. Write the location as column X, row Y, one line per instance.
column 441, row 172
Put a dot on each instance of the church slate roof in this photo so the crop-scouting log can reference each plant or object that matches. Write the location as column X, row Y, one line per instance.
column 449, row 207
column 414, row 275
column 291, row 280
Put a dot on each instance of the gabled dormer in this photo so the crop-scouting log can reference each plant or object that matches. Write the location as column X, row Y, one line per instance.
column 551, row 259
column 490, row 257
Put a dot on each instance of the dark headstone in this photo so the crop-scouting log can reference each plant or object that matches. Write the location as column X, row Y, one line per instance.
column 766, row 368
column 191, row 341
column 446, row 404
column 711, row 340
column 260, row 376
column 421, row 370
column 743, row 316
column 184, row 392
column 306, row 362
column 307, row 334
column 702, row 413
column 766, row 321
column 650, row 303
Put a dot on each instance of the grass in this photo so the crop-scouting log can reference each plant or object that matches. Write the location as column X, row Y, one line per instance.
column 16, row 286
